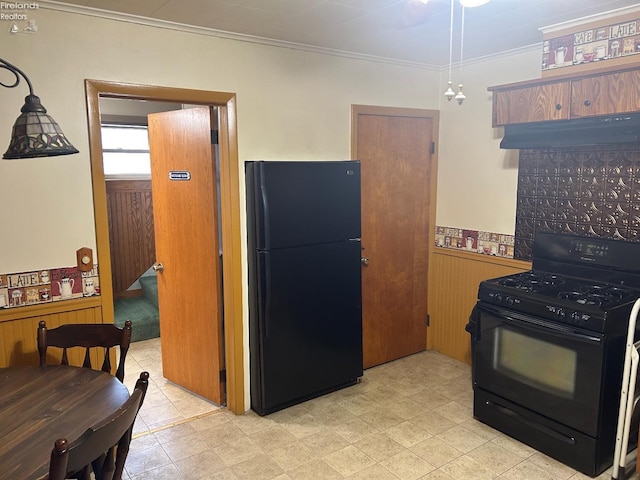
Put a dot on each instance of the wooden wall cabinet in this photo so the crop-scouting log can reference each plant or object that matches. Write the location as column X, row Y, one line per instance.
column 531, row 104
column 605, row 93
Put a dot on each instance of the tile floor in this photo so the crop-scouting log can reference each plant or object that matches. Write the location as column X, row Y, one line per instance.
column 406, row 420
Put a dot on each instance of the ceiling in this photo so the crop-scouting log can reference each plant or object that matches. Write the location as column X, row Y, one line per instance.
column 402, row 30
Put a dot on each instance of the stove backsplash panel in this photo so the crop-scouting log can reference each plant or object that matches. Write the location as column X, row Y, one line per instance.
column 588, row 191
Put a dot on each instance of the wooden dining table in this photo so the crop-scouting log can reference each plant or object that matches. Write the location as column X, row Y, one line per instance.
column 41, row 404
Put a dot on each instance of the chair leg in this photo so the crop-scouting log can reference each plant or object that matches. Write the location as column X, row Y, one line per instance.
column 122, row 450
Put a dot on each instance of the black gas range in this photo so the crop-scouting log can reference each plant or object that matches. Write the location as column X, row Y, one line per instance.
column 548, row 347
column 584, row 282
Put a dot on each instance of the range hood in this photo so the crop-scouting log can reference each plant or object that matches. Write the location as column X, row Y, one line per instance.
column 601, row 130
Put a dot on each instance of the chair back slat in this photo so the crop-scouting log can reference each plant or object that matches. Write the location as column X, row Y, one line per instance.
column 106, row 365
column 65, row 359
column 102, row 449
column 98, row 439
column 87, row 358
column 88, row 336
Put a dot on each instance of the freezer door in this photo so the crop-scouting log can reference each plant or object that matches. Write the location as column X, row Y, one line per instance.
column 304, row 203
column 309, row 322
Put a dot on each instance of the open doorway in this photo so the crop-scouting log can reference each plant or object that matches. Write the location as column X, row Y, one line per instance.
column 127, row 169
column 230, row 212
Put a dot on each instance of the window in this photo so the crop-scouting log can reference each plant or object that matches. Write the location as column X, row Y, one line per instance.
column 125, row 151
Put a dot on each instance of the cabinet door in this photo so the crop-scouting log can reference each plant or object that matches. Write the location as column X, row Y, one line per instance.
column 531, row 104
column 605, row 94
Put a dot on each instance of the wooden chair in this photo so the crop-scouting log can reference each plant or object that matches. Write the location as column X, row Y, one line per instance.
column 87, row 335
column 86, row 455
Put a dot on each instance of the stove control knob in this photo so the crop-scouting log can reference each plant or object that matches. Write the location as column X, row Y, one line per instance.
column 560, row 313
column 498, row 297
column 509, row 300
column 575, row 317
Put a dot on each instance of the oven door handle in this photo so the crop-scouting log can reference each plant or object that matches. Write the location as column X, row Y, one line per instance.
column 543, row 326
column 553, row 330
column 472, row 326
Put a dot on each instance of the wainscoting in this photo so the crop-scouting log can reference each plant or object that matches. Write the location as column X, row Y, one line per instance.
column 18, row 329
column 454, row 277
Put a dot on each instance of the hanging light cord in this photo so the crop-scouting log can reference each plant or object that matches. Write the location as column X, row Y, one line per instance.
column 461, row 38
column 451, row 40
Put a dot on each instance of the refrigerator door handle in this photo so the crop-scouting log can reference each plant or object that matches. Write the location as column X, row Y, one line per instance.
column 266, row 295
column 265, row 218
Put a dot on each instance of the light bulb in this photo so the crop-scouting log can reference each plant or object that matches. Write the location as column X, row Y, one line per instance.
column 449, row 93
column 460, row 96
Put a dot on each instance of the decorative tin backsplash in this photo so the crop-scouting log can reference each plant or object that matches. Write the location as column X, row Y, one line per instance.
column 589, row 191
column 50, row 285
column 486, row 243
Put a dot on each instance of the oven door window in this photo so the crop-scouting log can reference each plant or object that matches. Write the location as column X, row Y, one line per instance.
column 551, row 369
column 540, row 364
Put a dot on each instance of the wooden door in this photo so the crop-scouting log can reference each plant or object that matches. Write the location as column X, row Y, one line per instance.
column 183, row 176
column 395, row 155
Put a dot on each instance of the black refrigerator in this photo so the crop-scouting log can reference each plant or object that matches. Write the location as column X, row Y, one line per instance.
column 305, row 302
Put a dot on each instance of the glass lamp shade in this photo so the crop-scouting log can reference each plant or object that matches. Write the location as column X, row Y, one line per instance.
column 36, row 134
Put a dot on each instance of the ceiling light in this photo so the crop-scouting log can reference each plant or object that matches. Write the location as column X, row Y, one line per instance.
column 473, row 3
column 35, row 134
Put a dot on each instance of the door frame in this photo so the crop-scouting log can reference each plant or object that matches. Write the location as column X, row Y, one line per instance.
column 434, row 115
column 229, row 205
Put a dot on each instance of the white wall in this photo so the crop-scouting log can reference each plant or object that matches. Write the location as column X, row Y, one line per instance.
column 291, row 104
column 476, row 179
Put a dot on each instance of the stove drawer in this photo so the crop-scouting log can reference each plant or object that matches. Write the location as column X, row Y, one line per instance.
column 586, row 454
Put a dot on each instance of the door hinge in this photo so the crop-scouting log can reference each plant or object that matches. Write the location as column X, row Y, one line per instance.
column 223, row 376
column 433, row 148
column 214, row 137
column 427, row 320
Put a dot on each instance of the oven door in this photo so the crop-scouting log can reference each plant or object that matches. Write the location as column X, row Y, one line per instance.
column 552, row 369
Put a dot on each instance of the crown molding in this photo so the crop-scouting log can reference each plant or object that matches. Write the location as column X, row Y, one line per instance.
column 591, row 18
column 210, row 32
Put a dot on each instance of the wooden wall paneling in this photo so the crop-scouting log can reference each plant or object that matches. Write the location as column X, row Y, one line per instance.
column 18, row 336
column 453, row 287
column 131, row 234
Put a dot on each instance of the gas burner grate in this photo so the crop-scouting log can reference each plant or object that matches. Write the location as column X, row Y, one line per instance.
column 586, row 298
column 614, row 293
column 531, row 281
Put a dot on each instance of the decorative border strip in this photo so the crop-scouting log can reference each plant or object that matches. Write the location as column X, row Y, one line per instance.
column 49, row 285
column 476, row 241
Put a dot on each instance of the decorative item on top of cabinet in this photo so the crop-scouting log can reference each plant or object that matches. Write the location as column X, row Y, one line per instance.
column 605, row 93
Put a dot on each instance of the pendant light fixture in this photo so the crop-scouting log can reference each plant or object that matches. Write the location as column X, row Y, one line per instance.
column 34, row 134
column 449, row 93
